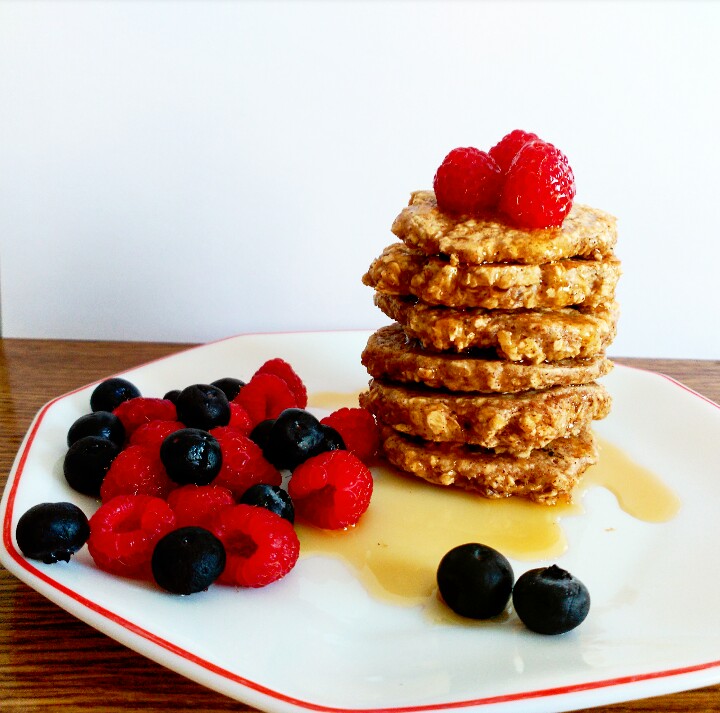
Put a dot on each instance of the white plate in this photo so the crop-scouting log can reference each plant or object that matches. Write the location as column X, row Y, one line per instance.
column 317, row 641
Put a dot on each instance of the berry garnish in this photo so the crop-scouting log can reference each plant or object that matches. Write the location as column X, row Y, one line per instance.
column 109, row 394
column 539, row 187
column 203, row 406
column 199, row 504
column 98, row 423
column 507, row 148
column 331, row 490
column 271, row 497
column 137, row 470
column 229, row 385
column 467, row 182
column 550, row 600
column 295, row 436
column 279, row 367
column 191, row 455
column 358, row 430
column 87, row 462
column 260, row 546
column 123, row 533
column 52, row 532
column 187, row 560
column 475, row 581
column 243, row 463
column 265, row 396
column 180, row 502
column 135, row 412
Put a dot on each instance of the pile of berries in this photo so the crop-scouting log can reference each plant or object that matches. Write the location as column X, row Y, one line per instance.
column 194, row 486
column 477, row 582
column 525, row 179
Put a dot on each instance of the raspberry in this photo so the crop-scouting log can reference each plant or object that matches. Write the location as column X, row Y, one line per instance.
column 506, row 149
column 260, row 546
column 265, row 396
column 279, row 367
column 198, row 505
column 142, row 409
column 539, row 187
column 123, row 533
column 331, row 490
column 467, row 182
column 240, row 419
column 243, row 463
column 358, row 430
column 153, row 433
column 137, row 470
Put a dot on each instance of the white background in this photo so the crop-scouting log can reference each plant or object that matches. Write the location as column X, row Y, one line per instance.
column 186, row 171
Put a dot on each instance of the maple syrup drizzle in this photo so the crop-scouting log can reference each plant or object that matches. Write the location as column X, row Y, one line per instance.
column 411, row 524
column 640, row 493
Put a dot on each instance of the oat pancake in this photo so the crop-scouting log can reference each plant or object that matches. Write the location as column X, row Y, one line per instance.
column 505, row 423
column 547, row 475
column 519, row 335
column 390, row 355
column 586, row 232
column 400, row 270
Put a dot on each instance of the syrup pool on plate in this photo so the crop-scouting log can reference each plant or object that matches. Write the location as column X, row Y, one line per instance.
column 410, row 525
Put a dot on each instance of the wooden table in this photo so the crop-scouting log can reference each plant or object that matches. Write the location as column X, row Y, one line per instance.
column 51, row 661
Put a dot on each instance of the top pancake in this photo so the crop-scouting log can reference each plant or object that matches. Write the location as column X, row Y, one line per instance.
column 586, row 232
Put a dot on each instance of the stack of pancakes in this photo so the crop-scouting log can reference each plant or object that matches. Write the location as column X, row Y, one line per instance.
column 486, row 379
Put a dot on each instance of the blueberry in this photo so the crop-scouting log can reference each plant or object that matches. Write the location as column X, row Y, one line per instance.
column 295, row 436
column 261, row 432
column 187, row 560
column 52, row 532
column 98, row 423
column 191, row 455
column 550, row 600
column 87, row 461
column 475, row 580
column 109, row 394
column 203, row 406
column 229, row 386
column 333, row 440
column 172, row 395
column 271, row 497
